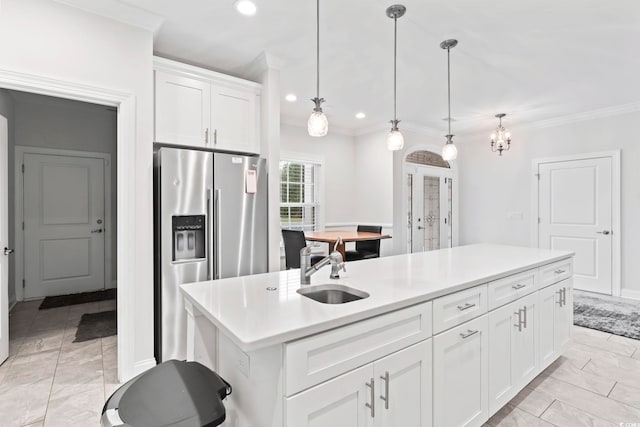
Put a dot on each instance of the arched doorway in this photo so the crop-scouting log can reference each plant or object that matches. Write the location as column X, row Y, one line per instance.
column 430, row 202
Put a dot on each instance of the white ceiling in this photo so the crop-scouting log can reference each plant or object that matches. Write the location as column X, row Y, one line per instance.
column 531, row 59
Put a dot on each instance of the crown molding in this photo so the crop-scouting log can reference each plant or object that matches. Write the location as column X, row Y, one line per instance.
column 615, row 110
column 261, row 63
column 121, row 12
column 301, row 123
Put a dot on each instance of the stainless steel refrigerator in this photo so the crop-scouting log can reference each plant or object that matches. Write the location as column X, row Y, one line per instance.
column 210, row 223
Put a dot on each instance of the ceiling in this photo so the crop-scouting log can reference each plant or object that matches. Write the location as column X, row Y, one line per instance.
column 532, row 59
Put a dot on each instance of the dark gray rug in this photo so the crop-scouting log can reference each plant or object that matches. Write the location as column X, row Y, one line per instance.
column 80, row 298
column 96, row 325
column 605, row 313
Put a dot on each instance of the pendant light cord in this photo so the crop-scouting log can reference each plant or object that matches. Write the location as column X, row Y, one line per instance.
column 317, row 48
column 395, row 48
column 449, row 85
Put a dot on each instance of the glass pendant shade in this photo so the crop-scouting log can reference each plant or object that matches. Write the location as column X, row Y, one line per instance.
column 395, row 140
column 449, row 151
column 318, row 125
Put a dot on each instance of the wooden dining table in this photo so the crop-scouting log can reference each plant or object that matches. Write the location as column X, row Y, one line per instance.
column 344, row 236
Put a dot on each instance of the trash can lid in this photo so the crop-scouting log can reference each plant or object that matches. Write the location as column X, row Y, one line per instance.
column 175, row 393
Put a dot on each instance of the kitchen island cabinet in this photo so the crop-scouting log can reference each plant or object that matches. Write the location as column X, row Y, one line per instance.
column 430, row 346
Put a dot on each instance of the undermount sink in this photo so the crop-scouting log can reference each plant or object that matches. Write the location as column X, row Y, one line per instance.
column 332, row 294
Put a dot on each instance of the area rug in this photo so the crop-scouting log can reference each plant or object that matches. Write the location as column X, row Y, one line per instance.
column 80, row 298
column 605, row 313
column 96, row 325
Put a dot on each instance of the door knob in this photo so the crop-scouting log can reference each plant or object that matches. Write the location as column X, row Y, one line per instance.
column 420, row 227
column 605, row 232
column 97, row 230
column 8, row 251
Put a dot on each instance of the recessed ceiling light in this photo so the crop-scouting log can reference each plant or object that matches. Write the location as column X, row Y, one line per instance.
column 246, row 7
column 291, row 97
column 360, row 115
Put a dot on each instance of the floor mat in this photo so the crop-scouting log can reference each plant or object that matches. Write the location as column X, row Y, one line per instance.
column 81, row 298
column 618, row 316
column 96, row 325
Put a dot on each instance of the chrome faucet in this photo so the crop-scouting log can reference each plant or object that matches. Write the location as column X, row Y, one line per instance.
column 307, row 270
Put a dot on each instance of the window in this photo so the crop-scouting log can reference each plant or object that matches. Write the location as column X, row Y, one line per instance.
column 299, row 205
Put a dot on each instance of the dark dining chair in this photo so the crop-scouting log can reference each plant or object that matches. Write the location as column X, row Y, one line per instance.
column 294, row 241
column 367, row 248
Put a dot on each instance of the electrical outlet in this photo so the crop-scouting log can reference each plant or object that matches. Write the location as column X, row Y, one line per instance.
column 515, row 215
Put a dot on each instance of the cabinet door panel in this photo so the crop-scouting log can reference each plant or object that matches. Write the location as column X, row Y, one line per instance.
column 460, row 373
column 502, row 355
column 547, row 301
column 339, row 402
column 409, row 389
column 525, row 362
column 564, row 314
column 234, row 119
column 182, row 110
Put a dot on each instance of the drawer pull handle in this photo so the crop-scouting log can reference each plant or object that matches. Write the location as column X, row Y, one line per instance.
column 560, row 299
column 564, row 296
column 385, row 378
column 524, row 310
column 466, row 306
column 518, row 286
column 467, row 334
column 519, row 324
column 372, row 386
column 559, row 271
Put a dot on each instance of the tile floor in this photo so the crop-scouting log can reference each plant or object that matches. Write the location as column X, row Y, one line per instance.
column 596, row 382
column 48, row 379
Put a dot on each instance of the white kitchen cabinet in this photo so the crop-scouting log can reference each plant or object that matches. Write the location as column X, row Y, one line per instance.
column 513, row 351
column 404, row 387
column 204, row 109
column 393, row 391
column 460, row 375
column 556, row 318
column 340, row 402
column 182, row 110
column 234, row 119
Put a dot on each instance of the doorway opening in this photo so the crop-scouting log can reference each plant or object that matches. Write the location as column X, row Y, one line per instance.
column 430, row 202
column 62, row 277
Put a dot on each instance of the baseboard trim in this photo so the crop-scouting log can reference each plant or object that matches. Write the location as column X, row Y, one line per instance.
column 630, row 293
column 12, row 304
column 143, row 365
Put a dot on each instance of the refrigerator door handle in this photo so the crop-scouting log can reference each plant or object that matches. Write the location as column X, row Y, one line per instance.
column 210, row 234
column 218, row 240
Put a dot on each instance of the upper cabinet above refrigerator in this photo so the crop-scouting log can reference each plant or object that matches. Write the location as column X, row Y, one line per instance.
column 195, row 107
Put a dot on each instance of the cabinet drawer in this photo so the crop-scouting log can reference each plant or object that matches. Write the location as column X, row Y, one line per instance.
column 553, row 273
column 315, row 359
column 454, row 309
column 505, row 290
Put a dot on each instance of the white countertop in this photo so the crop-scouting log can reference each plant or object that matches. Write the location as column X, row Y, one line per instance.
column 253, row 317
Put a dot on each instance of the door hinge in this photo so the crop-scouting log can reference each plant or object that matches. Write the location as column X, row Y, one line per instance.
column 539, row 220
column 23, row 225
column 23, row 286
column 23, row 168
column 538, row 175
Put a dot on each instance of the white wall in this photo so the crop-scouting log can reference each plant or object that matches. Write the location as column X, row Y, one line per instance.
column 7, row 110
column 339, row 167
column 493, row 186
column 374, row 185
column 49, row 39
column 43, row 121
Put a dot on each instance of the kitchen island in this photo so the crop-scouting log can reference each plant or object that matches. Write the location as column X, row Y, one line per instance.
column 445, row 338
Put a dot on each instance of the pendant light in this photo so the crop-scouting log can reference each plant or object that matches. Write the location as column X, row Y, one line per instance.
column 395, row 140
column 318, row 125
column 501, row 138
column 449, row 151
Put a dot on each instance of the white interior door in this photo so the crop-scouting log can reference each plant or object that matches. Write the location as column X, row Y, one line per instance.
column 64, row 229
column 575, row 213
column 4, row 241
column 429, row 210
